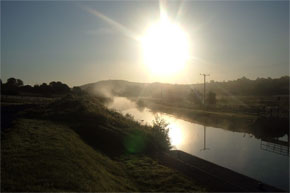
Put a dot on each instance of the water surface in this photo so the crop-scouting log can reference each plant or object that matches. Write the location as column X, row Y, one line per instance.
column 241, row 152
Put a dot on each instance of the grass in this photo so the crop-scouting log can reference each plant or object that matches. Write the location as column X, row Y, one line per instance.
column 20, row 99
column 148, row 175
column 76, row 144
column 98, row 125
column 44, row 156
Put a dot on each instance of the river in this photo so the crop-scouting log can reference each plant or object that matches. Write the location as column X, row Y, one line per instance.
column 241, row 152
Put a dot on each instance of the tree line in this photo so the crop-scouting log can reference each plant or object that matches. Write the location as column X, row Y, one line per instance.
column 196, row 97
column 244, row 86
column 15, row 86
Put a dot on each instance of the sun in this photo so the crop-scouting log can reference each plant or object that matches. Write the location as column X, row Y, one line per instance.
column 165, row 47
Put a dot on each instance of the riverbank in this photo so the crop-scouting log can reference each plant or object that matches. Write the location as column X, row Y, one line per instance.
column 86, row 142
column 75, row 144
column 238, row 122
column 242, row 152
column 216, row 178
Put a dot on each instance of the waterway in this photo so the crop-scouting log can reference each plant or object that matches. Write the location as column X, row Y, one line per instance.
column 266, row 161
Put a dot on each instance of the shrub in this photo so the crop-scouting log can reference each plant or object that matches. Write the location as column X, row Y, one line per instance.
column 160, row 133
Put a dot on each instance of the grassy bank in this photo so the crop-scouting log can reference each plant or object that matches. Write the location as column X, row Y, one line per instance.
column 76, row 144
column 209, row 118
column 40, row 155
column 259, row 126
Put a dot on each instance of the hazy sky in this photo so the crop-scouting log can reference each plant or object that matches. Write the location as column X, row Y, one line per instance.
column 45, row 41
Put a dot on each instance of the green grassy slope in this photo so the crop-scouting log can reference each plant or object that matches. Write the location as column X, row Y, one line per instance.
column 101, row 128
column 76, row 144
column 149, row 175
column 44, row 156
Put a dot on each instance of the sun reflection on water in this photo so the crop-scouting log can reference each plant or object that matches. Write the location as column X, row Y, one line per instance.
column 175, row 135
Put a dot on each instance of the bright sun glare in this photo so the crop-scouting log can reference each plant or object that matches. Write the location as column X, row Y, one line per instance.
column 176, row 135
column 165, row 47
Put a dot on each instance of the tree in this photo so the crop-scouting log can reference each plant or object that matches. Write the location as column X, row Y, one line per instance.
column 211, row 98
column 19, row 82
column 59, row 87
column 77, row 90
column 44, row 89
column 26, row 88
column 11, row 82
column 36, row 88
column 11, row 86
column 195, row 96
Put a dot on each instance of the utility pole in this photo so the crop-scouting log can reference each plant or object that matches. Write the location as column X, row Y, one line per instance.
column 204, row 79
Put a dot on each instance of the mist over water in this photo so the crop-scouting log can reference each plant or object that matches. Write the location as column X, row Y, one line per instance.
column 238, row 151
column 121, row 104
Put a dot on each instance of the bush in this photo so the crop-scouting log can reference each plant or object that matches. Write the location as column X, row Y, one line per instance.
column 160, row 133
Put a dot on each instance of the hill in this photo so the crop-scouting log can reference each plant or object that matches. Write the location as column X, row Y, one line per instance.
column 239, row 87
column 260, row 97
column 131, row 89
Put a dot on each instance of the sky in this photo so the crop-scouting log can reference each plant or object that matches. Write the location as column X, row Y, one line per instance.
column 44, row 41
